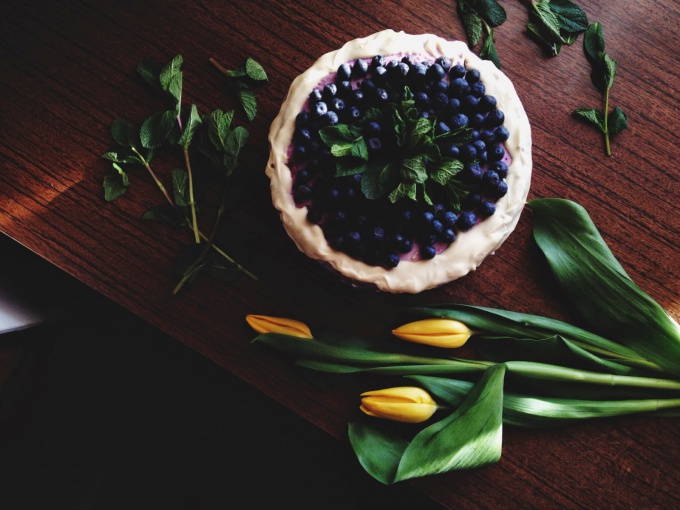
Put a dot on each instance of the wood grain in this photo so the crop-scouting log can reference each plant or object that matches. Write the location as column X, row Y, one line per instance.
column 67, row 70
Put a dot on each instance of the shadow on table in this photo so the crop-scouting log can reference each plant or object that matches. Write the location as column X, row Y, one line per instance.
column 107, row 412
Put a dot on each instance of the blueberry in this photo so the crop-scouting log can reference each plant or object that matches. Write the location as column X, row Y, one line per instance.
column 402, row 70
column 469, row 103
column 458, row 121
column 334, row 194
column 458, row 87
column 468, row 153
column 440, row 100
column 486, row 209
column 373, row 128
column 302, row 135
column 450, row 219
column 391, row 260
column 299, row 153
column 422, row 99
column 440, row 86
column 495, row 118
column 488, row 136
column 302, row 119
column 472, row 200
column 320, row 109
column 359, row 68
column 472, row 76
column 338, row 216
column 428, row 251
column 344, row 88
column 437, row 226
column 314, row 215
column 444, row 62
column 479, row 145
column 501, row 189
column 368, row 87
column 436, row 72
column 402, row 244
column 353, row 237
column 377, row 61
column 337, row 105
column 500, row 167
column 302, row 176
column 490, row 180
column 380, row 75
column 344, row 72
column 477, row 89
column 352, row 113
column 487, row 103
column 378, row 235
column 381, row 95
column 478, row 121
column 466, row 220
column 454, row 104
column 448, row 236
column 418, row 73
column 457, row 71
column 302, row 192
column 357, row 97
column 329, row 91
column 374, row 144
column 451, row 151
column 427, row 218
column 441, row 128
column 502, row 134
column 331, row 118
column 316, row 95
column 496, row 153
column 472, row 174
column 439, row 211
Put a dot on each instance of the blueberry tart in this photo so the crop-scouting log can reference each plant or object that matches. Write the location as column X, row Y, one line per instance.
column 401, row 161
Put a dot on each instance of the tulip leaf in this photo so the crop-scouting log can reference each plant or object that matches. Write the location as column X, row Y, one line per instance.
column 598, row 287
column 469, row 437
column 542, row 412
column 551, row 349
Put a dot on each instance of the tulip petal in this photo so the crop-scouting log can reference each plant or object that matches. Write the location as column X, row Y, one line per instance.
column 436, row 332
column 267, row 324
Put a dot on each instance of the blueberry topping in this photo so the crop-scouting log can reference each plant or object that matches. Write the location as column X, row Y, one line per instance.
column 468, row 128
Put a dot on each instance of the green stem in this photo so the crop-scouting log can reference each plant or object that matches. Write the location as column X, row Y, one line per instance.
column 153, row 176
column 192, row 203
column 606, row 122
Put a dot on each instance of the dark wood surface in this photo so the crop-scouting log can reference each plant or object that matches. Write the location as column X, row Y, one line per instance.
column 67, row 70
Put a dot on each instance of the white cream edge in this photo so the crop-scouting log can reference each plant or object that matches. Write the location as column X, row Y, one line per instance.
column 471, row 247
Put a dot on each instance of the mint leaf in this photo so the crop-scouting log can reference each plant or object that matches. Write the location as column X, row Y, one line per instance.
column 570, row 16
column 171, row 78
column 115, row 183
column 445, row 171
column 377, row 179
column 404, row 190
column 488, row 51
column 492, row 12
column 472, row 22
column 590, row 115
column 547, row 17
column 235, row 142
column 593, row 42
column 219, row 127
column 123, row 132
column 255, row 70
column 192, row 124
column 617, row 121
column 247, row 98
column 156, row 128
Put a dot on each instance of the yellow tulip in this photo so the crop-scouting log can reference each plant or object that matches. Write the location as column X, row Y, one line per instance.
column 266, row 324
column 408, row 404
column 436, row 332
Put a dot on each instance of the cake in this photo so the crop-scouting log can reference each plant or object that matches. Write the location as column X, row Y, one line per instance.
column 400, row 161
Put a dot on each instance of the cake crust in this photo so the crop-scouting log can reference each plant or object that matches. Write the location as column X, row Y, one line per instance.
column 471, row 247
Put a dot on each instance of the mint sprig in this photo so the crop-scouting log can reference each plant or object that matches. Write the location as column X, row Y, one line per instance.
column 555, row 23
column 208, row 143
column 242, row 82
column 479, row 18
column 603, row 72
column 416, row 166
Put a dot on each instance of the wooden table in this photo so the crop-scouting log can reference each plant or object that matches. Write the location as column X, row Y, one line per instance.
column 67, row 71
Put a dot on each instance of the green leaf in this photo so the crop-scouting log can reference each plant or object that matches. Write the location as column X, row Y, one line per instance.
column 544, row 38
column 446, row 170
column 219, row 127
column 123, row 133
column 115, row 183
column 165, row 213
column 603, row 73
column 350, row 166
column 377, row 179
column 492, row 12
column 597, row 286
column 192, row 124
column 472, row 23
column 180, row 186
column 590, row 115
column 236, row 140
column 593, row 42
column 255, row 70
column 156, row 128
column 377, row 450
column 547, row 17
column 488, row 51
column 248, row 101
column 404, row 190
column 171, row 78
column 616, row 121
column 149, row 70
column 470, row 437
column 414, row 170
column 570, row 16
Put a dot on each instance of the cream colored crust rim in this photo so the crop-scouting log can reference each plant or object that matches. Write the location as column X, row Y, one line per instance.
column 471, row 247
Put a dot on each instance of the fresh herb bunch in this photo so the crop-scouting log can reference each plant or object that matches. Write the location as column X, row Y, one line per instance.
column 534, row 371
column 415, row 166
column 554, row 23
column 479, row 18
column 211, row 140
column 602, row 76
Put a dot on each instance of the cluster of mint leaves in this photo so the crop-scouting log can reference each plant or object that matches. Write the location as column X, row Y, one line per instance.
column 208, row 145
column 415, row 165
column 479, row 18
column 602, row 76
column 552, row 24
